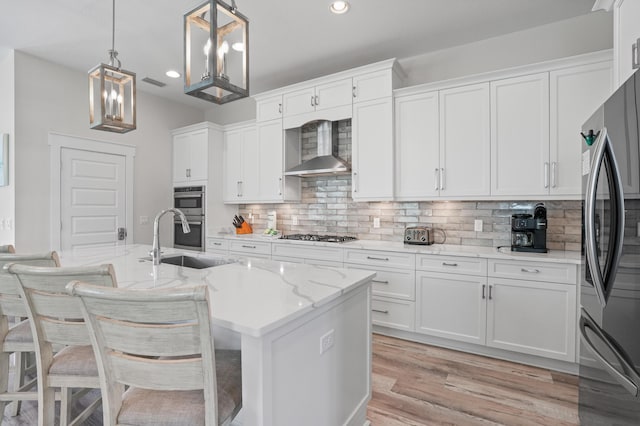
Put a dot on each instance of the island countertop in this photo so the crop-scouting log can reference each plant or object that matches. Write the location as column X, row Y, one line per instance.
column 249, row 296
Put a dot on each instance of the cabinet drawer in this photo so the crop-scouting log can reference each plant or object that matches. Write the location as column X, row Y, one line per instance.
column 396, row 283
column 333, row 254
column 250, row 247
column 315, row 262
column 391, row 313
column 534, row 271
column 219, row 244
column 380, row 258
column 453, row 264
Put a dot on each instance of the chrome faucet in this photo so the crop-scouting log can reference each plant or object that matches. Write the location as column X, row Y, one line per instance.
column 155, row 251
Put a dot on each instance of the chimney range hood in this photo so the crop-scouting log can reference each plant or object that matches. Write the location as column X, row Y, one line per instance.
column 327, row 162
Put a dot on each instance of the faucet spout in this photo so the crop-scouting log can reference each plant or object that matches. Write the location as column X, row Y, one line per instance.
column 155, row 250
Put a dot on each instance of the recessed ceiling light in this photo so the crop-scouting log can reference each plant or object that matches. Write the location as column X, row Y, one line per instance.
column 339, row 7
column 173, row 74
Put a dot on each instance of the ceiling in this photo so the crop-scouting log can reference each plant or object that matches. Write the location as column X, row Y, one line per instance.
column 290, row 40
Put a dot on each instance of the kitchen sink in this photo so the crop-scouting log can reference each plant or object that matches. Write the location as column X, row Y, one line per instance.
column 194, row 262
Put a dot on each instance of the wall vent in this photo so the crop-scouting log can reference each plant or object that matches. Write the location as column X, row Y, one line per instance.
column 154, row 82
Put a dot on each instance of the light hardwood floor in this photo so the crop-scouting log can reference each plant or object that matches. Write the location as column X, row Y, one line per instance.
column 415, row 384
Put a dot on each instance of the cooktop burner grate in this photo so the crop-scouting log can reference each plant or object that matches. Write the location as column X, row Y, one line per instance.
column 321, row 238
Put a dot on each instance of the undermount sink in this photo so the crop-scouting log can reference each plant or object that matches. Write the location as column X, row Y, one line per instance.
column 194, row 262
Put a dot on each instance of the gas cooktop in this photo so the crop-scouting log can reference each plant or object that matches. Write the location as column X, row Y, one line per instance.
column 321, row 238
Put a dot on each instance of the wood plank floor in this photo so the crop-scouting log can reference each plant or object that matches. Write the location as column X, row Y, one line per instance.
column 415, row 384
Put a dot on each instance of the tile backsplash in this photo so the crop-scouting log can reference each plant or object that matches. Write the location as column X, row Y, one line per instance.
column 326, row 207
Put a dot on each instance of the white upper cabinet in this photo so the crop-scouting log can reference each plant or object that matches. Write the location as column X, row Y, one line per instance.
column 269, row 108
column 316, row 98
column 575, row 94
column 372, row 150
column 190, row 156
column 464, row 141
column 417, row 146
column 520, row 135
column 374, row 85
column 241, row 162
column 626, row 33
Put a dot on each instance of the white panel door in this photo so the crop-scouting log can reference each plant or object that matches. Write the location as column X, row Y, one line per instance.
column 520, row 135
column 464, row 141
column 270, row 184
column 417, row 146
column 93, row 197
column 334, row 94
column 625, row 34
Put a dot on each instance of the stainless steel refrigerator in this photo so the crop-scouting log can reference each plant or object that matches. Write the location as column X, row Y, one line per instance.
column 609, row 323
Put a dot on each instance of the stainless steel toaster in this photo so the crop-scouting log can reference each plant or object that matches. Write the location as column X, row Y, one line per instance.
column 422, row 235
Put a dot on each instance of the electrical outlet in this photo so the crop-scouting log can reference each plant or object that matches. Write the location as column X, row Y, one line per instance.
column 326, row 342
column 376, row 222
column 144, row 220
column 294, row 220
column 477, row 225
column 9, row 223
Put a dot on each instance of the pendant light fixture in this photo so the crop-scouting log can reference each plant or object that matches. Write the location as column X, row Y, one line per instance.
column 216, row 52
column 112, row 92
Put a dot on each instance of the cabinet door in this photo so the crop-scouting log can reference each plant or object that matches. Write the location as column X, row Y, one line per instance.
column 333, row 94
column 464, row 141
column 451, row 306
column 198, row 156
column 270, row 184
column 232, row 165
column 520, row 136
column 181, row 158
column 250, row 188
column 417, row 146
column 269, row 109
column 299, row 102
column 575, row 93
column 626, row 33
column 531, row 317
column 374, row 85
column 372, row 147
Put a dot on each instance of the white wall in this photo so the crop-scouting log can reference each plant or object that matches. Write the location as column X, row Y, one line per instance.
column 583, row 34
column 50, row 97
column 7, row 99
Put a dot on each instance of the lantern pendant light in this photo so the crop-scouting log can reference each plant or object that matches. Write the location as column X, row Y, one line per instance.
column 112, row 92
column 216, row 48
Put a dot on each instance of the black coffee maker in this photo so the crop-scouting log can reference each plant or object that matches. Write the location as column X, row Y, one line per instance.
column 529, row 232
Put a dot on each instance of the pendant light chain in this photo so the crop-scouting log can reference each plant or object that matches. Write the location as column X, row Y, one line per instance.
column 113, row 54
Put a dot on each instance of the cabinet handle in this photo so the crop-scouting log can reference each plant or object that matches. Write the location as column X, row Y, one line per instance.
column 442, row 176
column 546, row 174
column 279, row 186
column 634, row 55
column 449, row 264
column 217, row 244
column 353, row 91
column 249, row 247
column 280, row 108
column 316, row 100
column 530, row 271
column 490, row 288
column 380, row 311
column 239, row 188
column 436, row 178
column 554, row 174
column 484, row 288
column 386, row 259
column 312, row 104
column 380, row 281
column 355, row 181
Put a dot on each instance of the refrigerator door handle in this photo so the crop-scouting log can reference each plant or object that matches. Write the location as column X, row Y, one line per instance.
column 629, row 379
column 603, row 152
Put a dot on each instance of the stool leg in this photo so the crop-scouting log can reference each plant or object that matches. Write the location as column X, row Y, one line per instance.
column 18, row 381
column 4, row 379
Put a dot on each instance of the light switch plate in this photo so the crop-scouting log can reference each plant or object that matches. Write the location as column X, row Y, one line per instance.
column 376, row 222
column 477, row 225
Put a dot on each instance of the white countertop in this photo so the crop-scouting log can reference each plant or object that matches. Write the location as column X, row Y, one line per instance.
column 251, row 296
column 505, row 253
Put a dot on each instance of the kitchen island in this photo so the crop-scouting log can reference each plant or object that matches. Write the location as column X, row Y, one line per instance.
column 304, row 331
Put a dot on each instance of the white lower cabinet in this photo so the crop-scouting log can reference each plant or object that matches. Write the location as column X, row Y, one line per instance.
column 248, row 248
column 393, row 313
column 312, row 255
column 217, row 245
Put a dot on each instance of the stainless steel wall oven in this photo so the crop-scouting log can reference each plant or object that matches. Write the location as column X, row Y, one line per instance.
column 191, row 201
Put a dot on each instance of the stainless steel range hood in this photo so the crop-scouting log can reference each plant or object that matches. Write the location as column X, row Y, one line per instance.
column 327, row 162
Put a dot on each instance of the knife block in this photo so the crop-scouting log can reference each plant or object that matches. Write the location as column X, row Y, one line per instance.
column 245, row 228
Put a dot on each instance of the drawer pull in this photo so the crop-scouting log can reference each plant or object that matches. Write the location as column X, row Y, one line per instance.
column 484, row 288
column 449, row 264
column 378, row 258
column 490, row 288
column 249, row 247
column 380, row 311
column 530, row 271
column 380, row 282
column 217, row 244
